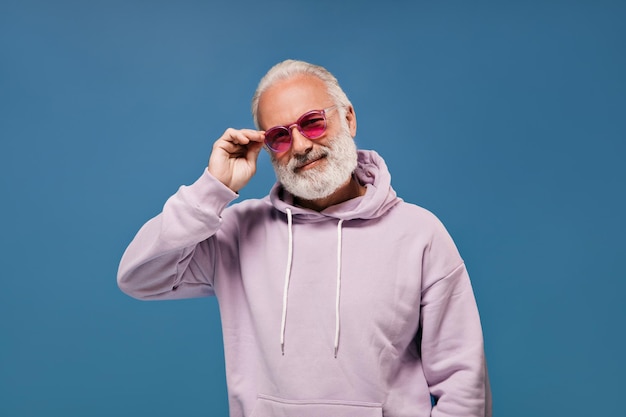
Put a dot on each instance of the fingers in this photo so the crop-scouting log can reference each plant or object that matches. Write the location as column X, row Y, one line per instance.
column 240, row 137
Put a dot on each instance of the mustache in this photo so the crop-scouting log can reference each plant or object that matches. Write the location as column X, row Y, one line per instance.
column 300, row 160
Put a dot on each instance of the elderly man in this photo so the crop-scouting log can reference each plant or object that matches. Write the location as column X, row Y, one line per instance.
column 337, row 298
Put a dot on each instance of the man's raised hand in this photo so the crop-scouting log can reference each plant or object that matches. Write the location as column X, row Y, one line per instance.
column 234, row 157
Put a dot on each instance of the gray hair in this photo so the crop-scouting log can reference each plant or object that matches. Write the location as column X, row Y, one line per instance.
column 292, row 68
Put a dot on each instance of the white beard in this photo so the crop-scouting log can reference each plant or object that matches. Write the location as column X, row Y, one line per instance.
column 317, row 183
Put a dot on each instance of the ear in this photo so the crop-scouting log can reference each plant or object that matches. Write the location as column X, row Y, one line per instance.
column 351, row 119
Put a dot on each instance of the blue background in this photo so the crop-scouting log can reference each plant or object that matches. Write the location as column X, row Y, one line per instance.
column 506, row 119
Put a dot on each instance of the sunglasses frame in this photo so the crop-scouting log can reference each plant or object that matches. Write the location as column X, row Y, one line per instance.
column 297, row 124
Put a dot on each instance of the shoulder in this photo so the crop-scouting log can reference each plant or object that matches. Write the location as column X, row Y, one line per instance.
column 413, row 215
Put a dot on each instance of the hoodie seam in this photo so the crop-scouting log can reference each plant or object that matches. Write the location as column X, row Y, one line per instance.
column 445, row 277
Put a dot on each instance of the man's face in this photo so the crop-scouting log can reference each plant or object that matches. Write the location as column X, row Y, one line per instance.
column 311, row 168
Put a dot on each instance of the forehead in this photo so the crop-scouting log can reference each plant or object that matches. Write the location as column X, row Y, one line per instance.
column 286, row 100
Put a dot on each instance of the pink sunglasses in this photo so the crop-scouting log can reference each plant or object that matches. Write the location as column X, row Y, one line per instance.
column 311, row 125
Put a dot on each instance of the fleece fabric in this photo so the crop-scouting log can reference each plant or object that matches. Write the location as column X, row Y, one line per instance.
column 363, row 309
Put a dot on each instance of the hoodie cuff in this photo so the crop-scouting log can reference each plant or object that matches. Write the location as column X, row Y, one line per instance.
column 207, row 194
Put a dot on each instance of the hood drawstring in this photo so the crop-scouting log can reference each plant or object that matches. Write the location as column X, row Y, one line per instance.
column 288, row 277
column 337, row 321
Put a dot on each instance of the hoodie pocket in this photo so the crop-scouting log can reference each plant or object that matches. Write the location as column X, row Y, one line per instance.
column 267, row 406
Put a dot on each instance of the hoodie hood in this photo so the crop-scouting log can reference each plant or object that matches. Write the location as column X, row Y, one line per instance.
column 379, row 197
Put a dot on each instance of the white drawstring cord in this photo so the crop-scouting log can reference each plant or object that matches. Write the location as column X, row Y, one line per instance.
column 337, row 322
column 287, row 276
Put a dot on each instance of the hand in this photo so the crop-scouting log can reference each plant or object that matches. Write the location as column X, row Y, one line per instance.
column 234, row 156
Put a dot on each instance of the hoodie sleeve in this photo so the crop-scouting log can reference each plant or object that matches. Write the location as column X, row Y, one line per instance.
column 173, row 255
column 452, row 340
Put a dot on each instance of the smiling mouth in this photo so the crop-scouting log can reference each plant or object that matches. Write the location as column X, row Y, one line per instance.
column 310, row 163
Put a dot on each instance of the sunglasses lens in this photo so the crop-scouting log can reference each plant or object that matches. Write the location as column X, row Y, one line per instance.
column 278, row 139
column 313, row 125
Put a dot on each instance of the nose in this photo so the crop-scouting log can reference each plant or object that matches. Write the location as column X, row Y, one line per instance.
column 300, row 144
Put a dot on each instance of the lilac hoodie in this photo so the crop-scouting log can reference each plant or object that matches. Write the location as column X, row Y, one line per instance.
column 364, row 309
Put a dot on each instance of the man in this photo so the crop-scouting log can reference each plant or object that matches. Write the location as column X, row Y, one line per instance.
column 336, row 297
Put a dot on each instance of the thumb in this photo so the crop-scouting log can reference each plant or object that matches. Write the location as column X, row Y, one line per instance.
column 254, row 149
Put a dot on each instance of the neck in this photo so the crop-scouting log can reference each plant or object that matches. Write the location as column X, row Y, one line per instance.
column 349, row 190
